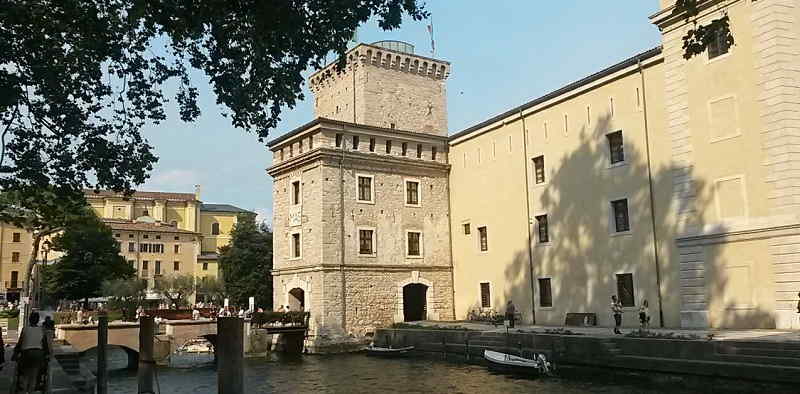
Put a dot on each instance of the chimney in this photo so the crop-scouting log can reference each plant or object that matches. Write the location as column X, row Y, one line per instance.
column 197, row 192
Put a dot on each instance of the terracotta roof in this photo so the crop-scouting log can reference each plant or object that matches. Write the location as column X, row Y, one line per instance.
column 141, row 195
column 127, row 225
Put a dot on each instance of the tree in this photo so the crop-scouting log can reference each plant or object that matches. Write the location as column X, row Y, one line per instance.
column 125, row 295
column 79, row 79
column 90, row 256
column 176, row 288
column 697, row 39
column 213, row 288
column 247, row 261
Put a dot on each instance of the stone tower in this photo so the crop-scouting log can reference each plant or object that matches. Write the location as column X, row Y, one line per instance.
column 361, row 198
column 385, row 85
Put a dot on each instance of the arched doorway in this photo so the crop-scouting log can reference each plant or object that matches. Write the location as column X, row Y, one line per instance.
column 297, row 299
column 415, row 302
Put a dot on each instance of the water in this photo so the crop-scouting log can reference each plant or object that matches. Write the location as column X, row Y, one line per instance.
column 357, row 373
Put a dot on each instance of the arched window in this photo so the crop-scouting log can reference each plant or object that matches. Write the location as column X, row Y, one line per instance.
column 215, row 229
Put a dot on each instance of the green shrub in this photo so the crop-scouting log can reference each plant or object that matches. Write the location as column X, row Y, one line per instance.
column 9, row 313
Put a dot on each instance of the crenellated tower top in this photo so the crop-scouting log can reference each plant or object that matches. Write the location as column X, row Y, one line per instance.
column 384, row 84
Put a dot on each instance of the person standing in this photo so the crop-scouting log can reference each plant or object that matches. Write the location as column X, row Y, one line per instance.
column 511, row 312
column 644, row 315
column 616, row 310
column 32, row 352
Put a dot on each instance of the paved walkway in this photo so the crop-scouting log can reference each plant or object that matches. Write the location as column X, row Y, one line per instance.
column 750, row 335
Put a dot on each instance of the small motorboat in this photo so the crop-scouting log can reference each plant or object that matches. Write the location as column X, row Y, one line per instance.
column 373, row 350
column 505, row 361
column 197, row 345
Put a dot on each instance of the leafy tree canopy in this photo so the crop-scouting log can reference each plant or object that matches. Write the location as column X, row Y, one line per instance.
column 213, row 289
column 176, row 289
column 700, row 36
column 246, row 263
column 90, row 256
column 125, row 295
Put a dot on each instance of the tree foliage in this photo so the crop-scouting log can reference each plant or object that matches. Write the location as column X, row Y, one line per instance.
column 246, row 263
column 90, row 256
column 176, row 289
column 125, row 295
column 700, row 36
column 213, row 288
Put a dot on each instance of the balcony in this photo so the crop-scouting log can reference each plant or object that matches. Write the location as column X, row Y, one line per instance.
column 13, row 285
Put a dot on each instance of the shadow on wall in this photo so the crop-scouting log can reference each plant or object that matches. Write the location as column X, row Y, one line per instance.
column 585, row 254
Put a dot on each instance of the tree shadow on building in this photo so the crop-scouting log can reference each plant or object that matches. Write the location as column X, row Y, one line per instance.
column 585, row 253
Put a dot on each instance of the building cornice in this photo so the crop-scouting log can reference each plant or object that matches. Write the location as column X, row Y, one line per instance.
column 669, row 16
column 331, row 155
column 360, row 267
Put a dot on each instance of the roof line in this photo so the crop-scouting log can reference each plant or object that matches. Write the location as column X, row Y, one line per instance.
column 565, row 89
column 316, row 121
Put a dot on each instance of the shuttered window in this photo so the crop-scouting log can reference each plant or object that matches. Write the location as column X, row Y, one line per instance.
column 625, row 290
column 486, row 296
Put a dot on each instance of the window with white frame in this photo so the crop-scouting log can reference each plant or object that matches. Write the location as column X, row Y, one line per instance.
column 365, row 190
column 625, row 290
column 412, row 192
column 366, row 241
column 619, row 209
column 543, row 229
column 545, row 293
column 538, row 169
column 484, row 238
column 414, row 244
column 295, row 246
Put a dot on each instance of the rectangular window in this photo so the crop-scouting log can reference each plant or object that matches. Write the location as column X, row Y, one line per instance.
column 545, row 293
column 719, row 44
column 131, row 247
column 543, row 228
column 296, row 245
column 466, row 229
column 372, row 144
column 117, row 235
column 486, row 296
column 14, row 279
column 365, row 242
column 177, row 238
column 15, row 237
column 484, row 238
column 15, row 257
column 566, row 124
column 144, row 248
column 412, row 192
column 130, row 235
column 414, row 244
column 310, row 142
column 177, row 249
column 176, row 265
column 588, row 115
column 145, row 236
column 404, row 149
column 615, row 147
column 419, row 151
column 338, row 140
column 638, row 98
column 538, row 169
column 205, row 266
column 355, row 142
column 281, row 154
column 388, row 146
column 158, row 237
column 392, row 125
column 145, row 265
column 611, row 106
column 433, row 153
column 295, row 192
column 621, row 220
column 300, row 148
column 158, row 267
column 625, row 289
column 364, row 188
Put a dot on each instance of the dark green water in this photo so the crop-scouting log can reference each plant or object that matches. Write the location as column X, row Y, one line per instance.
column 357, row 373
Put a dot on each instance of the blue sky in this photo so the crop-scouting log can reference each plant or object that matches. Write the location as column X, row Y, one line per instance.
column 502, row 55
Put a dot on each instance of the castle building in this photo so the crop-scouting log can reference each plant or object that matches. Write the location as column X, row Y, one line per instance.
column 362, row 232
column 159, row 234
column 662, row 179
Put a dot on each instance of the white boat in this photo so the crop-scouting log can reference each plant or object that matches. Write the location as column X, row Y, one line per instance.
column 197, row 345
column 520, row 364
column 373, row 350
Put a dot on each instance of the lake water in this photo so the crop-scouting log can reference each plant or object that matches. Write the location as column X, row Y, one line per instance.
column 357, row 373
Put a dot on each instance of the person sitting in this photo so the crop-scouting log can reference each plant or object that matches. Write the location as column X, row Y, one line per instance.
column 32, row 352
column 49, row 324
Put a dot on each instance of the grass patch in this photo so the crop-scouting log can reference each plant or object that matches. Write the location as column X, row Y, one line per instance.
column 661, row 335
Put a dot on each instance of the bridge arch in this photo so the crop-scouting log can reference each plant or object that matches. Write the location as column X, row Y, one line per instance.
column 132, row 354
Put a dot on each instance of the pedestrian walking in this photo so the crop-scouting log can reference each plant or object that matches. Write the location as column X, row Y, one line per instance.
column 644, row 315
column 616, row 310
column 511, row 312
column 32, row 353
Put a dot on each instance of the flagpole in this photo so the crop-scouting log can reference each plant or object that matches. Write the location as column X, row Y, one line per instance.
column 433, row 43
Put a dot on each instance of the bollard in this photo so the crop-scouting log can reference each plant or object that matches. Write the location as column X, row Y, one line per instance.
column 466, row 342
column 230, row 349
column 147, row 364
column 102, row 342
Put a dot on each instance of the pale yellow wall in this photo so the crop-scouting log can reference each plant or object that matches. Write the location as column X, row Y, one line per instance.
column 183, row 212
column 212, row 243
column 7, row 248
column 187, row 251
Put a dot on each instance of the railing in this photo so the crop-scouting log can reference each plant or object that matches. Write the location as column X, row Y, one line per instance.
column 13, row 284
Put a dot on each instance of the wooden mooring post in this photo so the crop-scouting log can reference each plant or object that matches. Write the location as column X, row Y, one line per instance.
column 102, row 343
column 230, row 355
column 147, row 363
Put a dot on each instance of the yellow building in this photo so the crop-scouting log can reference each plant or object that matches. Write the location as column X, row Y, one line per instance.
column 159, row 234
column 660, row 178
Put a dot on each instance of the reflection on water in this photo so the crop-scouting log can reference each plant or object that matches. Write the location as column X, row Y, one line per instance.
column 357, row 373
